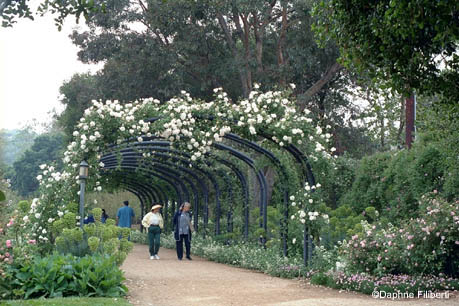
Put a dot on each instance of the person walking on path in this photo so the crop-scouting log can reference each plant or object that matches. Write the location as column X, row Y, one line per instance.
column 124, row 215
column 183, row 230
column 153, row 221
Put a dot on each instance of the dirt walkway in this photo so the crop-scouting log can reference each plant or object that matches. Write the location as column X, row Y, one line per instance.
column 169, row 281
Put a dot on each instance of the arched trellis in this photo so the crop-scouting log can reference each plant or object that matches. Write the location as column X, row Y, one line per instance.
column 207, row 126
column 260, row 177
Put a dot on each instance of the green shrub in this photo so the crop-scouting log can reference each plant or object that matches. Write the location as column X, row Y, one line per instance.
column 428, row 244
column 62, row 275
column 94, row 238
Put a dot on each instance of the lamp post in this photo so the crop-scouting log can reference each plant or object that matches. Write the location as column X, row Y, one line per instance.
column 83, row 175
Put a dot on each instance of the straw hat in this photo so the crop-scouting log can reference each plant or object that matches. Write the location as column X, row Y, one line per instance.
column 155, row 206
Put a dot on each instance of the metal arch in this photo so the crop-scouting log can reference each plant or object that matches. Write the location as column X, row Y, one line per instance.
column 161, row 191
column 203, row 189
column 151, row 195
column 165, row 146
column 167, row 143
column 182, row 185
column 229, row 215
column 166, row 171
column 192, row 174
column 245, row 189
column 278, row 164
column 169, row 181
column 260, row 177
column 132, row 169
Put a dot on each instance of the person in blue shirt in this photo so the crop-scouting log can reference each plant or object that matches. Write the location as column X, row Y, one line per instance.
column 125, row 215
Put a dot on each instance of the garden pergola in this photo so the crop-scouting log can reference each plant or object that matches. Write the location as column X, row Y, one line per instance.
column 211, row 154
column 165, row 165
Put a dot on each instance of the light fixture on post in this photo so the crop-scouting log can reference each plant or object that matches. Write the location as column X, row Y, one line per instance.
column 83, row 175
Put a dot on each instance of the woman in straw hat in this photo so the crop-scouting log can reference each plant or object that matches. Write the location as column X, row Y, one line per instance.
column 153, row 221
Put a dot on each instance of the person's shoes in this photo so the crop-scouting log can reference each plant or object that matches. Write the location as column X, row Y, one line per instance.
column 188, row 257
column 152, row 257
column 157, row 257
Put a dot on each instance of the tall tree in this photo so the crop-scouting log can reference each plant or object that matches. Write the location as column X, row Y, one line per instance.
column 412, row 45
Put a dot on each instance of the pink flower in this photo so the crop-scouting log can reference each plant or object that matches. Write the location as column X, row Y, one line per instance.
column 456, row 242
column 8, row 244
column 32, row 241
column 7, row 254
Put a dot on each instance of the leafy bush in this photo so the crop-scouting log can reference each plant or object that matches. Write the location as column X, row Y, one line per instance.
column 393, row 183
column 94, row 238
column 62, row 275
column 428, row 244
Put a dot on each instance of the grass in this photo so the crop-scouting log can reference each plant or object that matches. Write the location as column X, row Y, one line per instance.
column 70, row 301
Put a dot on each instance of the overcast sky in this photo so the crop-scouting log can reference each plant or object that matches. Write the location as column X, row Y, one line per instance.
column 35, row 59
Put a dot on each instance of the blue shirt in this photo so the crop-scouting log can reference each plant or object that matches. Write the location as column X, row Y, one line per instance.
column 124, row 216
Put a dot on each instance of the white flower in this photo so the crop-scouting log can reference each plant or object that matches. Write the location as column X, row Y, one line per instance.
column 60, row 213
column 43, row 231
column 311, row 201
column 122, row 129
column 42, row 166
column 292, row 198
column 252, row 130
column 99, row 188
column 39, row 177
column 293, row 203
column 26, row 218
column 37, row 215
column 293, row 86
column 294, row 240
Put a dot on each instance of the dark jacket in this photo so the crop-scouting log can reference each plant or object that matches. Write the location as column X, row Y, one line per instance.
column 176, row 226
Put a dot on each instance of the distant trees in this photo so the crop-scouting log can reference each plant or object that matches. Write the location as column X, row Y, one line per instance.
column 45, row 149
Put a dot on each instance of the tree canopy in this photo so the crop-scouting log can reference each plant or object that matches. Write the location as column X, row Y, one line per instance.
column 411, row 45
column 12, row 10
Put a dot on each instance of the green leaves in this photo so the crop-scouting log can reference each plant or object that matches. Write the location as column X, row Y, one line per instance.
column 63, row 275
column 397, row 41
column 2, row 196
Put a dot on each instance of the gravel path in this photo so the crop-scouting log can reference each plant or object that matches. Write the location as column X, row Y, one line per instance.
column 169, row 281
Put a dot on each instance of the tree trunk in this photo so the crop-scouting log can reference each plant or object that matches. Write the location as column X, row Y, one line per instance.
column 232, row 46
column 409, row 113
column 314, row 89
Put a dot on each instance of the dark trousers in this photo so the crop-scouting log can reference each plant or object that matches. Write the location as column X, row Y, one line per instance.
column 179, row 245
column 153, row 239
